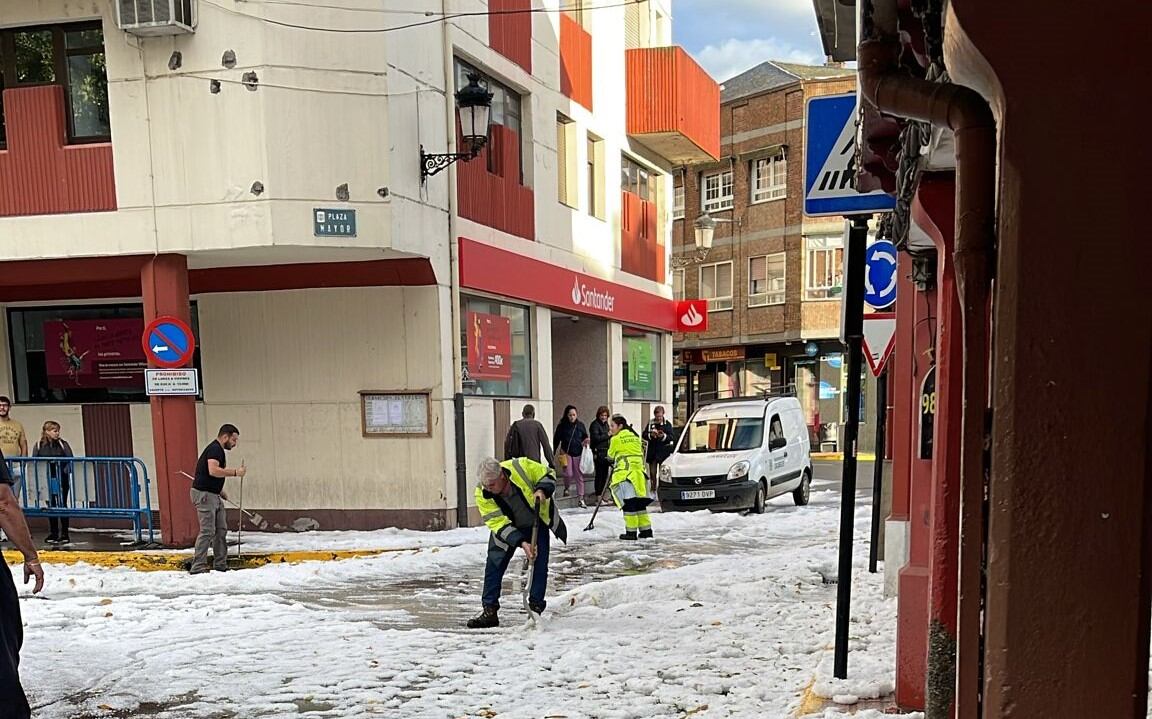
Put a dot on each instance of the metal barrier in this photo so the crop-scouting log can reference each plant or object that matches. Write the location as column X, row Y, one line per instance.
column 96, row 487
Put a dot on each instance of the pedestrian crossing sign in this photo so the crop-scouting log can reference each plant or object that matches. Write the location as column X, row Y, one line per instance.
column 830, row 161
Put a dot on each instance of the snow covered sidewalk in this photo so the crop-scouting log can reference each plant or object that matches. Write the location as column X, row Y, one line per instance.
column 721, row 616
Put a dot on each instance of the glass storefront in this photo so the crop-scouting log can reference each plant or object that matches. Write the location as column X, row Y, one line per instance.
column 76, row 354
column 642, row 365
column 496, row 348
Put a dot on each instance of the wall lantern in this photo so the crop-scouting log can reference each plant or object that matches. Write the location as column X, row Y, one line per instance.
column 473, row 110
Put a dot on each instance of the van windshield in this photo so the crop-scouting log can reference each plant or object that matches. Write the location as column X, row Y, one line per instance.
column 723, row 434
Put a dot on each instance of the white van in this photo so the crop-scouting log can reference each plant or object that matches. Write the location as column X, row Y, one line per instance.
column 737, row 454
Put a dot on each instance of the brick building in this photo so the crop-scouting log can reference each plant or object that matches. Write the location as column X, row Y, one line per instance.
column 773, row 275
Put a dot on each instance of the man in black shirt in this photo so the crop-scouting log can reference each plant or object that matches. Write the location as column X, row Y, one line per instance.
column 208, row 497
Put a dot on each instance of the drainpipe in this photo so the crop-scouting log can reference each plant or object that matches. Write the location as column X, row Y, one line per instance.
column 891, row 90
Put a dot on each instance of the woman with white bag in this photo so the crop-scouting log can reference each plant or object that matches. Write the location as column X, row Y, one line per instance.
column 571, row 437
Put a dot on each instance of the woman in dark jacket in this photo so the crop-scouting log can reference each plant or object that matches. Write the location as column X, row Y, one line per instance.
column 601, row 437
column 571, row 437
column 660, row 438
column 59, row 478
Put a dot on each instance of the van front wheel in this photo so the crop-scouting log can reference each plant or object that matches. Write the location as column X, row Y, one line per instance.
column 761, row 498
column 800, row 494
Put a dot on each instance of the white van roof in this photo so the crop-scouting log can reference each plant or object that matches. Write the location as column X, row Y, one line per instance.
column 750, row 407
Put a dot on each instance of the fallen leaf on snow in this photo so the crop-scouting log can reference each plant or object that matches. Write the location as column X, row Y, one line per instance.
column 105, row 602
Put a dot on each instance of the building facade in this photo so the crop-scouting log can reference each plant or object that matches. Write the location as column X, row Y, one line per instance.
column 773, row 275
column 370, row 329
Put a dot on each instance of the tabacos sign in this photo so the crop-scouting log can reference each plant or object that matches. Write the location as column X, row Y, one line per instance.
column 590, row 298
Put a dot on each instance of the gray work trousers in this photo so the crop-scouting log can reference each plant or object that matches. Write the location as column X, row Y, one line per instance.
column 213, row 531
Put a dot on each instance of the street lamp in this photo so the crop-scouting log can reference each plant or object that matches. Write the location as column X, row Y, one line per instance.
column 704, row 229
column 473, row 109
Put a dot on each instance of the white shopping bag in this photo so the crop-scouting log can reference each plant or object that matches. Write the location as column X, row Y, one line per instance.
column 587, row 463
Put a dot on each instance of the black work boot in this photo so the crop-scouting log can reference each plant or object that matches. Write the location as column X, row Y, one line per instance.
column 485, row 619
column 629, row 536
column 645, row 534
column 537, row 607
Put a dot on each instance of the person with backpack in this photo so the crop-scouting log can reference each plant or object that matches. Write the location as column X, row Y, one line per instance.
column 528, row 438
column 628, row 483
column 59, row 478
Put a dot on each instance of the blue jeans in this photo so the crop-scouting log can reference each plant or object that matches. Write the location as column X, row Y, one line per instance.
column 497, row 564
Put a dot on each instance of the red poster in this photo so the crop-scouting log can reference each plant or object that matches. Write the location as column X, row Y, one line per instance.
column 94, row 353
column 489, row 346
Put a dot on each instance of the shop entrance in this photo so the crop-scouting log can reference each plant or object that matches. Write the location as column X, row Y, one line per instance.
column 580, row 368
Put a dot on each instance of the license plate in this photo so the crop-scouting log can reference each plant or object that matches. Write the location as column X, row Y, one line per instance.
column 699, row 494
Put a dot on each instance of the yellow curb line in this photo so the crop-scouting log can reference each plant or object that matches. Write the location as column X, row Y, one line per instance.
column 172, row 562
column 860, row 457
column 809, row 702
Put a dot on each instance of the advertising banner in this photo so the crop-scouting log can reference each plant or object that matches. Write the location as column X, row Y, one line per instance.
column 489, row 346
column 94, row 353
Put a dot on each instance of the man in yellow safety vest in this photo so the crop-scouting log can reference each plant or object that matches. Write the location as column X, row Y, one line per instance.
column 505, row 496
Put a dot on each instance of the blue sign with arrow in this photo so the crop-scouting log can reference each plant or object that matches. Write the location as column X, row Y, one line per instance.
column 830, row 161
column 880, row 274
column 168, row 342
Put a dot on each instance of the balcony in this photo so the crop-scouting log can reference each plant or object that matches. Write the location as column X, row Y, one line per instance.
column 642, row 252
column 673, row 105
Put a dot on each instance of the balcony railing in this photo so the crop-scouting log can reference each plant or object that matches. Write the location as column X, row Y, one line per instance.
column 673, row 105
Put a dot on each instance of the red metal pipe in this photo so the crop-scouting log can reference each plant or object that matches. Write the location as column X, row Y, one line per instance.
column 967, row 114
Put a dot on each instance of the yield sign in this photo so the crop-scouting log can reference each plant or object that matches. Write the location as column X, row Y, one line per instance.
column 879, row 339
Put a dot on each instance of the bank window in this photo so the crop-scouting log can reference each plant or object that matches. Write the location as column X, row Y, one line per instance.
column 769, row 179
column 507, row 107
column 824, row 273
column 81, row 354
column 766, row 277
column 678, row 284
column 716, row 286
column 71, row 56
column 496, row 348
column 716, row 191
column 678, row 203
column 642, row 356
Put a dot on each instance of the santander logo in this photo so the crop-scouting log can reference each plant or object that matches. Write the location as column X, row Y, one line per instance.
column 583, row 296
column 691, row 318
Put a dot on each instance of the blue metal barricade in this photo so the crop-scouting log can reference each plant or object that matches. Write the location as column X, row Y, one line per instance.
column 95, row 487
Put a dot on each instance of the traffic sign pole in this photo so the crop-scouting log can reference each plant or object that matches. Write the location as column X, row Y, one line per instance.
column 853, row 337
column 878, row 467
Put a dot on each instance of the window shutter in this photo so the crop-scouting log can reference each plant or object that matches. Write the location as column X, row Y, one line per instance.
column 632, row 25
column 562, row 160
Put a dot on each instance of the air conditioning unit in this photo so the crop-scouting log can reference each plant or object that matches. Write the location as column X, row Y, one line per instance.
column 156, row 17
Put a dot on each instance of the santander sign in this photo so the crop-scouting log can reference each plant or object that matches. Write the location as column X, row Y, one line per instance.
column 584, row 296
column 692, row 316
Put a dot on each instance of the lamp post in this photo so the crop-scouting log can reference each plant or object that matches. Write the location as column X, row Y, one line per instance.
column 704, row 229
column 473, row 108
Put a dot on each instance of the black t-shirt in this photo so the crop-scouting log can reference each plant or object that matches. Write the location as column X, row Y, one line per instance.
column 204, row 481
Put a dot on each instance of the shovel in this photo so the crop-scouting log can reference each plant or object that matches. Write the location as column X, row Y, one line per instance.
column 530, row 565
column 599, row 501
column 253, row 517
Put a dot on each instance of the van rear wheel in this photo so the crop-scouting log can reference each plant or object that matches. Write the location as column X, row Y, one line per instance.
column 761, row 499
column 801, row 494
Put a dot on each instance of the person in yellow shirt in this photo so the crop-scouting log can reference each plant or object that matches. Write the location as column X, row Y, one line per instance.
column 13, row 441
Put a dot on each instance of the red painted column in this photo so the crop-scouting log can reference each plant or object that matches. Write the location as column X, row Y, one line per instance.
column 900, row 387
column 933, row 210
column 912, row 600
column 164, row 287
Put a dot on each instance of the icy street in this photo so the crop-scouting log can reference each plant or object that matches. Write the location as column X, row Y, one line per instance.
column 721, row 616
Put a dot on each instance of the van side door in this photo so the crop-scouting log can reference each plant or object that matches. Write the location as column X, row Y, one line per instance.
column 778, row 450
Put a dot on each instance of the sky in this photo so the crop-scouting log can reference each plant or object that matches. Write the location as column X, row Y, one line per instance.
column 728, row 37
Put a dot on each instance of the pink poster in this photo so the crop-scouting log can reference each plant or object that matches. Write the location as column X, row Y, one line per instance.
column 94, row 353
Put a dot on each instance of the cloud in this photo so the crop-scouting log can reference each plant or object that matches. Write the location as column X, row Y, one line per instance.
column 732, row 56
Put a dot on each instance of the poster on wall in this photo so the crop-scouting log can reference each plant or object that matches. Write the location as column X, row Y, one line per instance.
column 94, row 353
column 639, row 365
column 489, row 346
